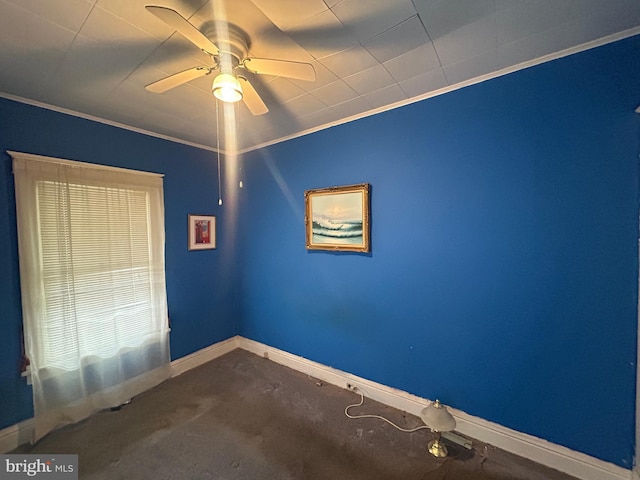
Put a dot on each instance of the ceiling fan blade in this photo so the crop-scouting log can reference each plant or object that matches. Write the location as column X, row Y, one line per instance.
column 176, row 79
column 251, row 98
column 281, row 68
column 184, row 27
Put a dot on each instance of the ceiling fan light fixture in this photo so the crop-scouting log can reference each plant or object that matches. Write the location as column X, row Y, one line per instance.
column 227, row 88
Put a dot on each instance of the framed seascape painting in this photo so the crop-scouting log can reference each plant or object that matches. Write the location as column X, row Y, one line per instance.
column 202, row 232
column 337, row 218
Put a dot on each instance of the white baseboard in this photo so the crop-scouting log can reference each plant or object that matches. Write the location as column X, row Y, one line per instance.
column 20, row 433
column 546, row 453
column 541, row 451
column 181, row 365
column 15, row 435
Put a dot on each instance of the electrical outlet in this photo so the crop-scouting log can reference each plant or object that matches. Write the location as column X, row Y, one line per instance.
column 352, row 387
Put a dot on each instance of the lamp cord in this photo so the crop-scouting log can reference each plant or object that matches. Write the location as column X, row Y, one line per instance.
column 346, row 412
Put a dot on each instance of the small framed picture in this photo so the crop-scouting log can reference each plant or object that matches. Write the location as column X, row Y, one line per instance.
column 337, row 218
column 202, row 232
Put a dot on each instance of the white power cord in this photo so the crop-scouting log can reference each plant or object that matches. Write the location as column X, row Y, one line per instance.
column 346, row 412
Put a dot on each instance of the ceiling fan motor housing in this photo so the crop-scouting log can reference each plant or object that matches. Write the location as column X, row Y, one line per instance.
column 230, row 40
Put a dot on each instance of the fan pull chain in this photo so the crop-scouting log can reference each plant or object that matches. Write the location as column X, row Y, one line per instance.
column 218, row 149
column 237, row 122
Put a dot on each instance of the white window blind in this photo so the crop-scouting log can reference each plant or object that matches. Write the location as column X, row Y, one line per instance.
column 91, row 245
column 95, row 269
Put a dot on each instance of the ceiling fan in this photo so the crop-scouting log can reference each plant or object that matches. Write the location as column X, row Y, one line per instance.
column 229, row 48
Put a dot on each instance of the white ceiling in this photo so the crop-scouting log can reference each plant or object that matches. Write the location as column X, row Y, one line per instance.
column 94, row 57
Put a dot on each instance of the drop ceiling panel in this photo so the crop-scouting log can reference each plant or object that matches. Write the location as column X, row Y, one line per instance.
column 322, row 35
column 425, row 82
column 303, row 104
column 349, row 61
column 18, row 40
column 129, row 11
column 369, row 80
column 396, row 41
column 96, row 56
column 318, row 117
column 290, row 13
column 528, row 18
column 175, row 55
column 351, row 107
column 70, row 14
column 284, row 89
column 385, row 96
column 467, row 42
column 442, row 18
column 365, row 19
column 414, row 62
column 334, row 93
column 471, row 68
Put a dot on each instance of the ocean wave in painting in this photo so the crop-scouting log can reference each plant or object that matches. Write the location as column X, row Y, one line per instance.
column 337, row 229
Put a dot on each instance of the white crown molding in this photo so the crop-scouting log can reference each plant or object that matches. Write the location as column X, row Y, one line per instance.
column 111, row 123
column 529, row 63
column 546, row 453
column 466, row 83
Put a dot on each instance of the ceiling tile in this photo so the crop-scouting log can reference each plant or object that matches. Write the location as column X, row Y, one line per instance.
column 351, row 107
column 96, row 56
column 69, row 14
column 398, row 40
column 367, row 81
column 303, row 105
column 175, row 55
column 290, row 13
column 472, row 67
column 600, row 19
column 322, row 35
column 284, row 89
column 385, row 96
column 127, row 96
column 442, row 18
column 415, row 62
column 334, row 93
column 425, row 82
column 367, row 18
column 134, row 13
column 318, row 118
column 467, row 42
column 530, row 18
column 18, row 38
column 111, row 64
column 323, row 77
column 349, row 61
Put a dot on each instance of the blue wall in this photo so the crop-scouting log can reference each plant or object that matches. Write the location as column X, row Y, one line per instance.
column 200, row 287
column 504, row 244
column 504, row 264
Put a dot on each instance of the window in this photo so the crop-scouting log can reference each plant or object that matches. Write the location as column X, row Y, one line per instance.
column 91, row 243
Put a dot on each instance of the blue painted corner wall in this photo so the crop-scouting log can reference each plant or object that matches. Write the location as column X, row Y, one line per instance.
column 503, row 272
column 504, row 265
column 201, row 292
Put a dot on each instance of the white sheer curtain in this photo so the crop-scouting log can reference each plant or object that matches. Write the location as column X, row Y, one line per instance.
column 91, row 244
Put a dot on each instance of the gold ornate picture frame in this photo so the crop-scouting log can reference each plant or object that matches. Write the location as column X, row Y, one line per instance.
column 337, row 218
